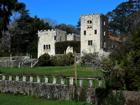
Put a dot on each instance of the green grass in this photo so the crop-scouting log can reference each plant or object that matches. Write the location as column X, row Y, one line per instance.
column 8, row 99
column 82, row 71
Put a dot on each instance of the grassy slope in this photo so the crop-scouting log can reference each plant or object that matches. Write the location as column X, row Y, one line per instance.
column 66, row 71
column 7, row 99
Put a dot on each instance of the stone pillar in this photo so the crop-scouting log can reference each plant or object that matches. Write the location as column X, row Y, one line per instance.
column 71, row 81
column 19, row 65
column 24, row 78
column 17, row 78
column 38, row 79
column 31, row 79
column 54, row 80
column 80, row 83
column 10, row 78
column 3, row 77
column 46, row 79
column 90, row 83
column 31, row 65
column 100, row 83
column 62, row 81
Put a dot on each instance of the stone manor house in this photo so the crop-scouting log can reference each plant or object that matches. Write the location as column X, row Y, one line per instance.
column 93, row 36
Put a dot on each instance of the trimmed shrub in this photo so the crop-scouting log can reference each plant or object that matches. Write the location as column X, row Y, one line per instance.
column 89, row 59
column 62, row 60
column 44, row 60
column 57, row 60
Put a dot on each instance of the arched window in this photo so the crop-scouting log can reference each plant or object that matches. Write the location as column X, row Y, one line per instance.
column 89, row 22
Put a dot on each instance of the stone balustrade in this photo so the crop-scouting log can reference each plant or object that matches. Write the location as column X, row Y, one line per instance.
column 89, row 82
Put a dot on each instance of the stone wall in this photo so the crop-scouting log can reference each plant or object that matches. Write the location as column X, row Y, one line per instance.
column 41, row 87
column 64, row 90
column 132, row 97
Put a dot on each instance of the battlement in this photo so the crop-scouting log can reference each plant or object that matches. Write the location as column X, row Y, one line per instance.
column 73, row 34
column 91, row 15
column 50, row 30
column 44, row 31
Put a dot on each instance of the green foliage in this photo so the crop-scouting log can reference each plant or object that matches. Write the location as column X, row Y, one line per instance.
column 120, row 19
column 89, row 58
column 6, row 10
column 57, row 60
column 24, row 34
column 127, row 62
column 53, row 70
column 44, row 60
column 132, row 64
column 62, row 60
column 7, row 99
column 68, row 28
column 60, row 47
column 106, row 96
column 101, row 94
column 114, row 98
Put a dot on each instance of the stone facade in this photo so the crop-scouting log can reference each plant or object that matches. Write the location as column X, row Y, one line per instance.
column 93, row 36
column 73, row 37
column 47, row 40
column 93, row 33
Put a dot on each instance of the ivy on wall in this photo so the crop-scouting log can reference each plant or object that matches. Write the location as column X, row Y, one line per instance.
column 60, row 47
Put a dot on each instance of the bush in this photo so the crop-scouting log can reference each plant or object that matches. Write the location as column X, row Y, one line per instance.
column 62, row 60
column 57, row 60
column 89, row 59
column 114, row 99
column 105, row 96
column 44, row 60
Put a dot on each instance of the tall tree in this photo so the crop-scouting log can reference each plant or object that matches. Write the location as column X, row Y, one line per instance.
column 120, row 20
column 67, row 28
column 24, row 34
column 7, row 7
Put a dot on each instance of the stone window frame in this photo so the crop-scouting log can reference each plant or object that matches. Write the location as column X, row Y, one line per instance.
column 54, row 37
column 95, row 32
column 47, row 47
column 89, row 21
column 89, row 27
column 104, row 33
column 90, row 42
column 85, row 32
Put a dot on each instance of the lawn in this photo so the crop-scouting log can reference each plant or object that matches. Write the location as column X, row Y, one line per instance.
column 8, row 99
column 82, row 71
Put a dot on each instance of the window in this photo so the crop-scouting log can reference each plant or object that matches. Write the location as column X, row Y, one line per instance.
column 84, row 32
column 46, row 47
column 89, row 27
column 89, row 22
column 54, row 37
column 104, row 23
column 104, row 44
column 104, row 33
column 60, row 38
column 90, row 42
column 95, row 31
column 49, row 47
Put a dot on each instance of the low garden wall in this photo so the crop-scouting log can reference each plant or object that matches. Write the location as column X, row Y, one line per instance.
column 40, row 87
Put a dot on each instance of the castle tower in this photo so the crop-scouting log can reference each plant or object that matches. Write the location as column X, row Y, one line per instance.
column 47, row 40
column 93, row 33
